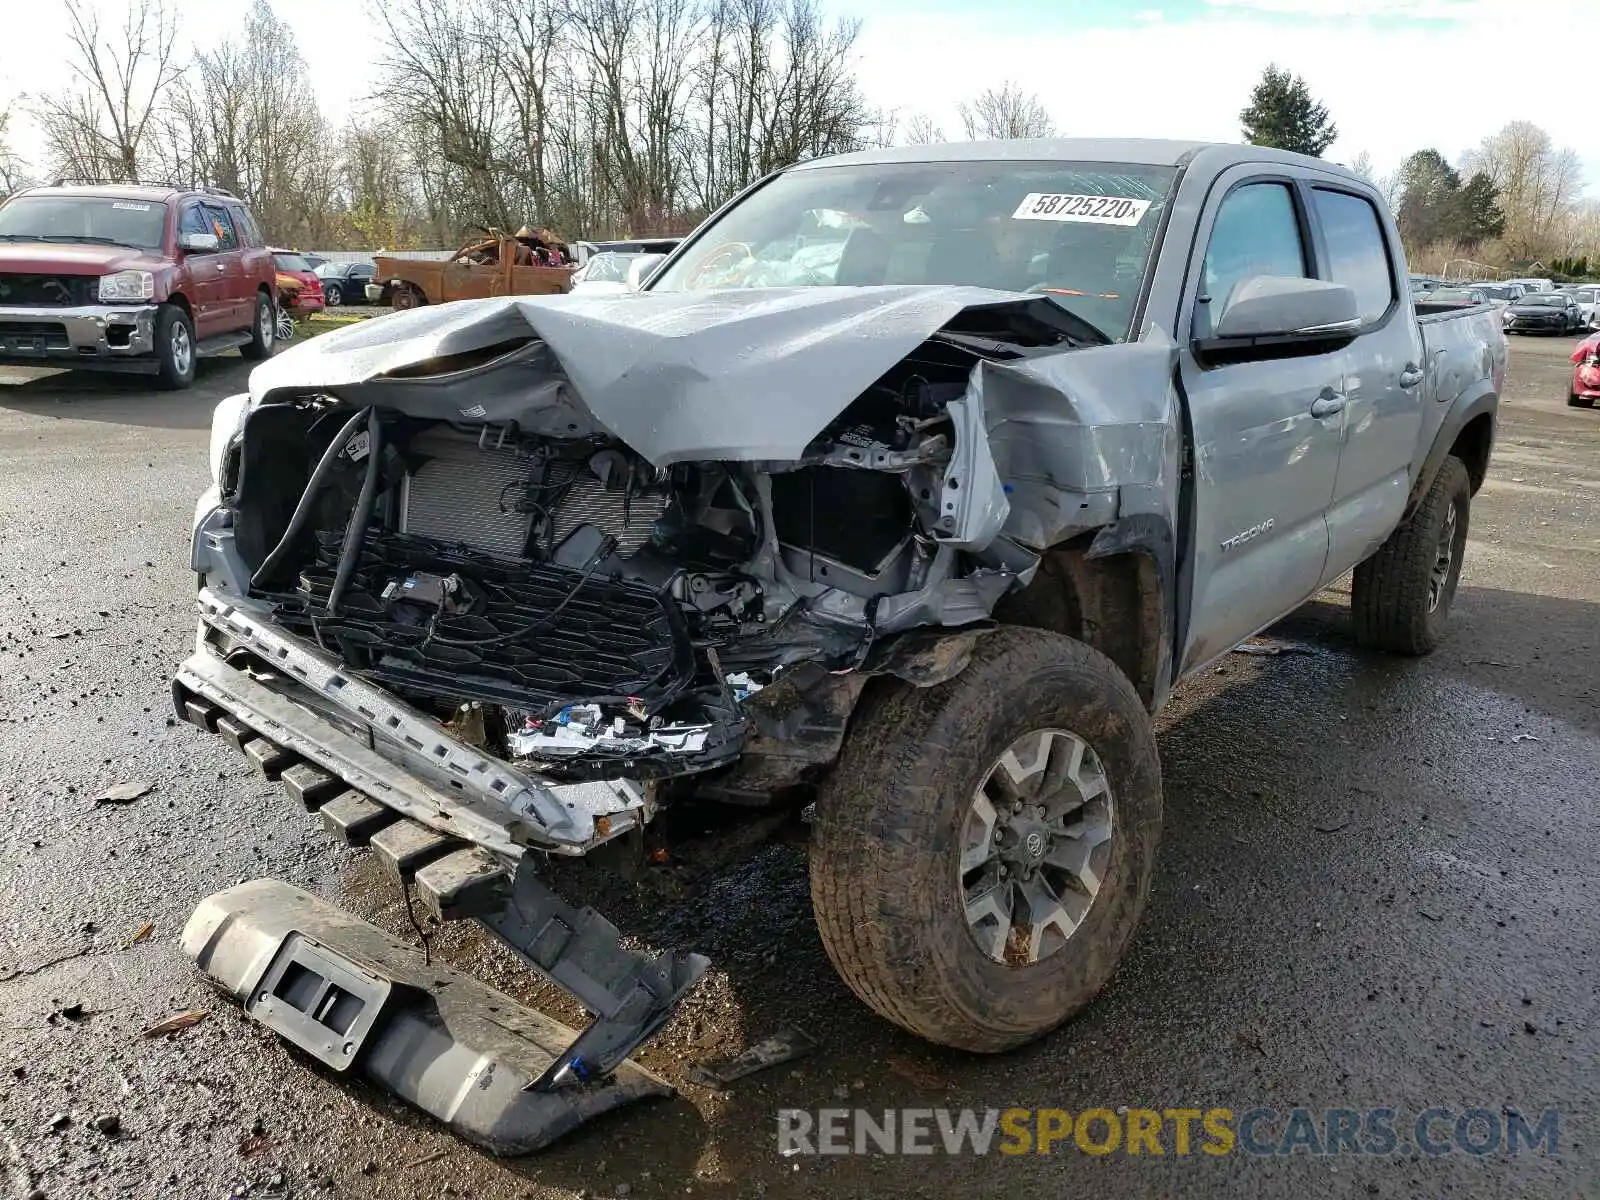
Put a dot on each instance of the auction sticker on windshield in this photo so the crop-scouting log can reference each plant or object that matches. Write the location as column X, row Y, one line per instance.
column 1096, row 210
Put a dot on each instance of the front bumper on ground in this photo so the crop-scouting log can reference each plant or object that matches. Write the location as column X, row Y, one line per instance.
column 296, row 697
column 107, row 337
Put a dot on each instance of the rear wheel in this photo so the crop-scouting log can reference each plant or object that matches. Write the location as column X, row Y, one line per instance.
column 983, row 849
column 175, row 357
column 1400, row 597
column 263, row 329
column 405, row 296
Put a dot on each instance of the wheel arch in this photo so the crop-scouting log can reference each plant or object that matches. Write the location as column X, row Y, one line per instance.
column 1113, row 590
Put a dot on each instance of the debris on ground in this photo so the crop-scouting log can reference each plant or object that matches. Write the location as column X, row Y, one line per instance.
column 254, row 1145
column 142, row 932
column 73, row 1012
column 1526, row 737
column 108, row 1123
column 784, row 1046
column 426, row 1159
column 1277, row 649
column 124, row 793
column 177, row 1023
column 1330, row 827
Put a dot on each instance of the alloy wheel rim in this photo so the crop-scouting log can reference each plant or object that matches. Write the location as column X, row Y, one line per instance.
column 1035, row 846
column 1444, row 559
column 182, row 352
column 266, row 323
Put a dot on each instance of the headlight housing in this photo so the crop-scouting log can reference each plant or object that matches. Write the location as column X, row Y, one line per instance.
column 226, row 421
column 128, row 285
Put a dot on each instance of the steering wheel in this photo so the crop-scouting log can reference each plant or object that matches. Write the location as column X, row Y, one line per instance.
column 741, row 253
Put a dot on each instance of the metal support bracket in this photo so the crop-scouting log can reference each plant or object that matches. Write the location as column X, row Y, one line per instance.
column 630, row 995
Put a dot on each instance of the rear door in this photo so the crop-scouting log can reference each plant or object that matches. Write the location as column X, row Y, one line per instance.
column 1266, row 430
column 236, row 299
column 255, row 258
column 1383, row 381
column 206, row 270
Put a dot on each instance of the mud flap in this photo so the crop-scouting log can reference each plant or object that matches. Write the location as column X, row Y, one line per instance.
column 356, row 998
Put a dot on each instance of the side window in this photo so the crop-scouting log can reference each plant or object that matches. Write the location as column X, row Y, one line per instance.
column 1256, row 232
column 193, row 220
column 246, row 225
column 1358, row 255
column 222, row 226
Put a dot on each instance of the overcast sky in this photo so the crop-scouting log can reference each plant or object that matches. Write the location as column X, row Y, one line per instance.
column 1397, row 75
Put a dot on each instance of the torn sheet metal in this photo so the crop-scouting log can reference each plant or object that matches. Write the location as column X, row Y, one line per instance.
column 740, row 375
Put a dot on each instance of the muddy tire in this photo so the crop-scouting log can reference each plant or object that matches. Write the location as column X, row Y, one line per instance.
column 1400, row 597
column 406, row 297
column 175, row 349
column 263, row 330
column 899, row 830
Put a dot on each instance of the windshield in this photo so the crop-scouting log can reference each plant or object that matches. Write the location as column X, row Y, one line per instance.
column 55, row 218
column 1496, row 293
column 608, row 268
column 1077, row 232
column 291, row 262
column 1545, row 301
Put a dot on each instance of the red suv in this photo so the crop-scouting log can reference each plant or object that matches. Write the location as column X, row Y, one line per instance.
column 132, row 278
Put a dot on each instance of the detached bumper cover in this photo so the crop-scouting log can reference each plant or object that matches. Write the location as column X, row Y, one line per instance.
column 310, row 704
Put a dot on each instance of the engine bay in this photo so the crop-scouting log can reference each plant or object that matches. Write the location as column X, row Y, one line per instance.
column 556, row 599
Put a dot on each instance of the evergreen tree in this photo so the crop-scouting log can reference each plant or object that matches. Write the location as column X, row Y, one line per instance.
column 1480, row 217
column 1282, row 113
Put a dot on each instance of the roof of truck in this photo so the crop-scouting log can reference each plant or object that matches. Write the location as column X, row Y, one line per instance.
column 1144, row 151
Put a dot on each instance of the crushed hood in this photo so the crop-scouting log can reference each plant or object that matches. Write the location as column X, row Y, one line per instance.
column 737, row 375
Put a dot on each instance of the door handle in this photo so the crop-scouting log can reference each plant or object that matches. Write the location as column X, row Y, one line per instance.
column 1328, row 404
column 1411, row 376
column 221, row 267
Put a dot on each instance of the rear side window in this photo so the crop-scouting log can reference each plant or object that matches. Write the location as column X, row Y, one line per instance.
column 222, row 226
column 247, row 226
column 1256, row 232
column 1358, row 256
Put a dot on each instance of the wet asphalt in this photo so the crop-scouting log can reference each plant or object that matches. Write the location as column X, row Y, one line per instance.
column 1376, row 889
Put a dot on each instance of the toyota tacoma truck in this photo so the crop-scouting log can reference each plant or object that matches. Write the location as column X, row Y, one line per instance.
column 908, row 488
column 137, row 279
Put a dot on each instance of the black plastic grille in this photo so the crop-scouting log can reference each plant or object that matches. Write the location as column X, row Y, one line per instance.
column 613, row 639
column 48, row 291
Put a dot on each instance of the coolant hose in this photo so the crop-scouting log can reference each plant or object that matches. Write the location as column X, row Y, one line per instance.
column 356, row 531
column 308, row 498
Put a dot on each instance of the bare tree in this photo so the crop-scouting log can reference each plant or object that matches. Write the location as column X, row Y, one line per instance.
column 1006, row 112
column 921, row 131
column 99, row 126
column 12, row 169
column 1538, row 185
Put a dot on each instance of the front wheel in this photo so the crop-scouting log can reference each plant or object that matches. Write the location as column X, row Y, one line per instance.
column 983, row 849
column 333, row 294
column 1576, row 401
column 175, row 357
column 1400, row 597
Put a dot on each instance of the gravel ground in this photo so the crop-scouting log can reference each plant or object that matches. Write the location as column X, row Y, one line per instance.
column 1375, row 887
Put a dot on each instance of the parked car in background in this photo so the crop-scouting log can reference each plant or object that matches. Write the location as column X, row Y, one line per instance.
column 1498, row 294
column 583, row 251
column 1585, row 389
column 479, row 269
column 1536, row 285
column 137, row 279
column 1544, row 312
column 1587, row 297
column 307, row 297
column 345, row 282
column 1461, row 296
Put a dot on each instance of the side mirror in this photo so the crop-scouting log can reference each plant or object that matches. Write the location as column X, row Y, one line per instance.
column 1281, row 309
column 639, row 270
column 198, row 243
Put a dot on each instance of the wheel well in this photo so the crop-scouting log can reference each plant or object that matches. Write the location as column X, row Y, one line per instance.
column 1472, row 447
column 181, row 301
column 1112, row 603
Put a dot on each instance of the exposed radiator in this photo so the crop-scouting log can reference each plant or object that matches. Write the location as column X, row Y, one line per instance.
column 478, row 497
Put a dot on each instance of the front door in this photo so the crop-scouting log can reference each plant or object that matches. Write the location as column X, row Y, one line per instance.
column 1266, row 432
column 236, row 301
column 206, row 270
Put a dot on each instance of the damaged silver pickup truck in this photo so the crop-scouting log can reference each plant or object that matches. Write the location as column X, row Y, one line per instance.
column 908, row 486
